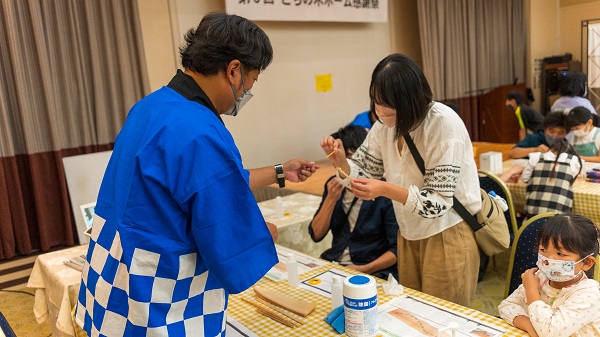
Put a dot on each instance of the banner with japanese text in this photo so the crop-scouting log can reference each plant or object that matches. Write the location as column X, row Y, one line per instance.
column 310, row 10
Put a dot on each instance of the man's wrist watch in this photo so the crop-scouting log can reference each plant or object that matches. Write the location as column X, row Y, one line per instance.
column 280, row 175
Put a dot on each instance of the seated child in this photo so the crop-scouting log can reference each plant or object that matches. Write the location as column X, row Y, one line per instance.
column 557, row 298
column 549, row 177
column 586, row 134
column 364, row 231
column 555, row 127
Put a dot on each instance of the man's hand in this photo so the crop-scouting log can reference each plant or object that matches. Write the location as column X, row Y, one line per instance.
column 334, row 189
column 273, row 230
column 542, row 148
column 297, row 170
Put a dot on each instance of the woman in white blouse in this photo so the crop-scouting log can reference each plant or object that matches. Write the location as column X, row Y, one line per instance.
column 437, row 252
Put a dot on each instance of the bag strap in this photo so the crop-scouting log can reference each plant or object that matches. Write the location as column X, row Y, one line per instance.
column 458, row 206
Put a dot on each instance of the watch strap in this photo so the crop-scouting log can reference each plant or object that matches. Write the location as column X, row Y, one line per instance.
column 280, row 175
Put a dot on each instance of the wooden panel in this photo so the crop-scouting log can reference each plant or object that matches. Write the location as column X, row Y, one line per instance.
column 497, row 123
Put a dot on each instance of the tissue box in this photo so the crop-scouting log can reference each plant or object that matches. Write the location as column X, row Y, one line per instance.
column 491, row 161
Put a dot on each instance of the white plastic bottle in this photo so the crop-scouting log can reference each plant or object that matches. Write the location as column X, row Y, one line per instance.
column 292, row 270
column 499, row 200
column 279, row 207
column 337, row 297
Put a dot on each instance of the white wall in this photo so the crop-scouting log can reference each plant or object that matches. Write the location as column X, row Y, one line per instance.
column 287, row 118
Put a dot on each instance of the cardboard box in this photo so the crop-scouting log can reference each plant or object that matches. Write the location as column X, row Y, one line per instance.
column 491, row 161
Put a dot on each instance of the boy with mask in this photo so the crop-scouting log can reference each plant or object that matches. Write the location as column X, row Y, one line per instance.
column 555, row 127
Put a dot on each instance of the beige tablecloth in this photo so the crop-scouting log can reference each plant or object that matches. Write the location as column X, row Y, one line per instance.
column 57, row 285
column 586, row 195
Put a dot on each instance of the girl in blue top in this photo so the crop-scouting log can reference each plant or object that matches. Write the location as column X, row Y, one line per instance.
column 586, row 134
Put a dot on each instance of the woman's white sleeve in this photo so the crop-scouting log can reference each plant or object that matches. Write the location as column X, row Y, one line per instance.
column 443, row 163
column 367, row 161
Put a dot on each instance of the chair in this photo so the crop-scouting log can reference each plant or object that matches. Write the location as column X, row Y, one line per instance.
column 490, row 182
column 524, row 253
column 5, row 329
column 597, row 268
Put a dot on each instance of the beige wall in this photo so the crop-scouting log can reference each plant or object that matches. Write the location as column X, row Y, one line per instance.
column 287, row 118
column 542, row 41
column 404, row 28
column 571, row 16
column 158, row 41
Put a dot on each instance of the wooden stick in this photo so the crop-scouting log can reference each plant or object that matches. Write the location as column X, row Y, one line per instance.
column 332, row 152
column 276, row 317
column 281, row 310
column 342, row 172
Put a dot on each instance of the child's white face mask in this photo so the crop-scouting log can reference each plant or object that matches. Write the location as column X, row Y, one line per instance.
column 558, row 270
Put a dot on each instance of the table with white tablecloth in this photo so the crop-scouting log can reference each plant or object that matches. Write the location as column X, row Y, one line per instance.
column 298, row 211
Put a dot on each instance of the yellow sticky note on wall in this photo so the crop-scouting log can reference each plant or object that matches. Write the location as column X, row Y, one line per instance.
column 323, row 82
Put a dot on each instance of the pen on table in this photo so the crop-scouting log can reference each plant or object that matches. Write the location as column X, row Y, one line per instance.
column 346, row 176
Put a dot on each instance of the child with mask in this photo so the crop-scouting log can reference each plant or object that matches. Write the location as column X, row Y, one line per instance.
column 554, row 128
column 549, row 177
column 557, row 298
column 586, row 134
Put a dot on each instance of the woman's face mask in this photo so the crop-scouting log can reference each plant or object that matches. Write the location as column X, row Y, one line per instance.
column 583, row 131
column 386, row 115
column 558, row 270
column 239, row 101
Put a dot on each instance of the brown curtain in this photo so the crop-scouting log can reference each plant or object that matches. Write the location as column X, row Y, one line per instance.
column 69, row 72
column 470, row 47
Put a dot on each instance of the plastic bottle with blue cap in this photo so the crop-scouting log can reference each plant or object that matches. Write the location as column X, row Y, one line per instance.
column 499, row 200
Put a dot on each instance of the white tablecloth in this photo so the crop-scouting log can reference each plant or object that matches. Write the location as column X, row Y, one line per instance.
column 56, row 288
column 298, row 209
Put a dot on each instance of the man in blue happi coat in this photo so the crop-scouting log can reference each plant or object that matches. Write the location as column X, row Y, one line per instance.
column 176, row 227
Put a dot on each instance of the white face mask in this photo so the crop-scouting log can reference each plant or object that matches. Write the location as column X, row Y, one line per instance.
column 239, row 101
column 581, row 132
column 558, row 270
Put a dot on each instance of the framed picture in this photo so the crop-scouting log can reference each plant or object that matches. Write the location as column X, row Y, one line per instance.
column 87, row 211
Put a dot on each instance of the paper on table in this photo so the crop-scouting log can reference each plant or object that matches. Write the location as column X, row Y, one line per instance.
column 321, row 283
column 236, row 329
column 305, row 263
column 417, row 317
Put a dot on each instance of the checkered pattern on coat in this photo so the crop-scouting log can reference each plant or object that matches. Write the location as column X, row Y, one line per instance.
column 145, row 298
column 546, row 194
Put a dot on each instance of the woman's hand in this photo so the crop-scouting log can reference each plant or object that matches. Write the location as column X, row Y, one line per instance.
column 368, row 189
column 334, row 150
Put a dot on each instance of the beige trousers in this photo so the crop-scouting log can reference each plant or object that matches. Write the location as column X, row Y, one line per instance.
column 445, row 265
